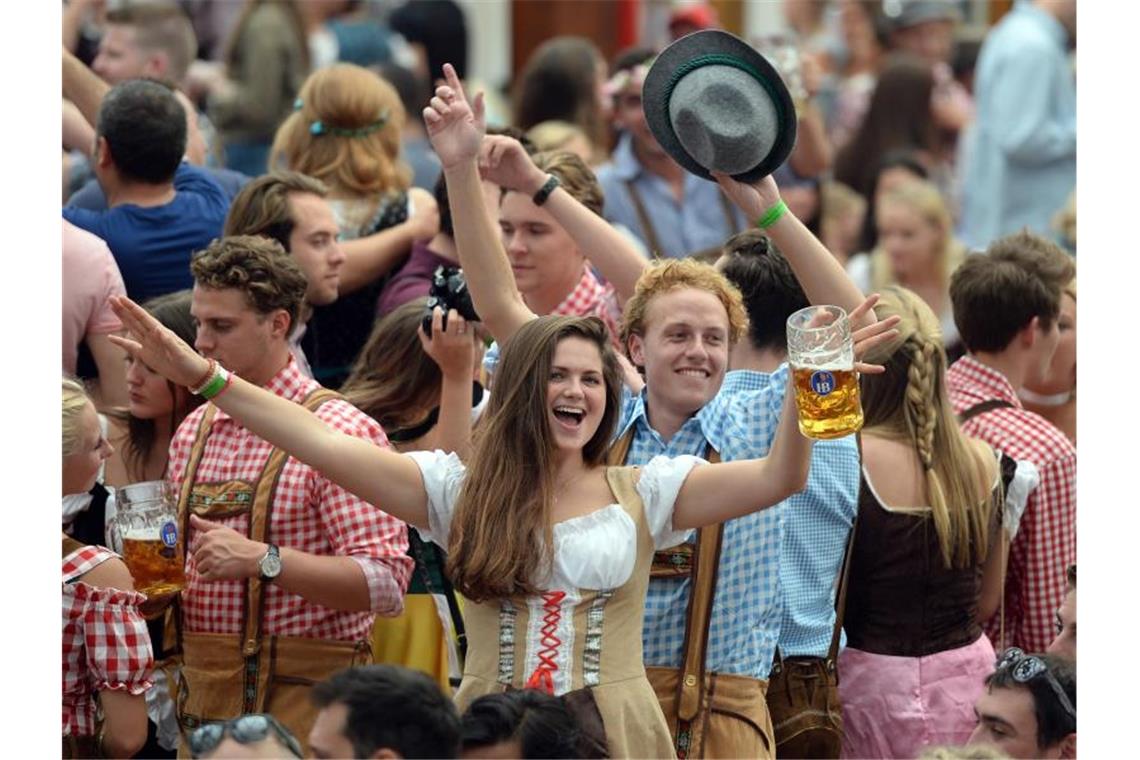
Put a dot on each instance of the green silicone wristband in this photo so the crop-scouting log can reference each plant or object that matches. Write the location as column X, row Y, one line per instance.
column 214, row 387
column 772, row 215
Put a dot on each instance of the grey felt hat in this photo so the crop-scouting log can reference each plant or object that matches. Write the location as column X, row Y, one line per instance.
column 714, row 103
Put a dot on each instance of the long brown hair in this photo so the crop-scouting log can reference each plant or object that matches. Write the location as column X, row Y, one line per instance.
column 393, row 381
column 909, row 402
column 173, row 311
column 501, row 537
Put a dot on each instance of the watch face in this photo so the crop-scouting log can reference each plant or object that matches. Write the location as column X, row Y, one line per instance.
column 271, row 565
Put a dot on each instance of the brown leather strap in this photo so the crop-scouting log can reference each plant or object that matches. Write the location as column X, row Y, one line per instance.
column 258, row 530
column 643, row 217
column 841, row 590
column 983, row 407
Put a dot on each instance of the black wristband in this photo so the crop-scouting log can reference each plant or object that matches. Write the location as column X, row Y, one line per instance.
column 545, row 191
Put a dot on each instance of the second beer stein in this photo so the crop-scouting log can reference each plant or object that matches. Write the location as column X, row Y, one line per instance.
column 147, row 529
column 822, row 357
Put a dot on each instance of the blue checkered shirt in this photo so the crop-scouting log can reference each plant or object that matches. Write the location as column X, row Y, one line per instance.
column 746, row 605
column 816, row 524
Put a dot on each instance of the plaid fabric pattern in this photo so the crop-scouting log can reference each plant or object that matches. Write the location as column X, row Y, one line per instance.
column 105, row 642
column 1046, row 541
column 310, row 514
column 815, row 523
column 589, row 298
column 746, row 603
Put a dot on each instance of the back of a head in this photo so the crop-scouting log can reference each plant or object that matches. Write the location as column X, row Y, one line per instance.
column 1053, row 721
column 259, row 267
column 392, row 707
column 440, row 27
column 910, row 401
column 262, row 206
column 393, row 380
column 770, row 289
column 145, row 129
column 997, row 293
column 559, row 82
column 539, row 724
column 161, row 26
column 346, row 131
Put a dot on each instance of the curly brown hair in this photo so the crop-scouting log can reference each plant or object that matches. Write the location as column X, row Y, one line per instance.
column 259, row 267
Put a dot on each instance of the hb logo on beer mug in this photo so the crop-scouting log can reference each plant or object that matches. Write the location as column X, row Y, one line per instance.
column 147, row 526
column 822, row 356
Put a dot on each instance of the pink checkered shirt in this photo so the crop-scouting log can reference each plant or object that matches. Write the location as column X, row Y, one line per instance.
column 590, row 298
column 1046, row 541
column 310, row 514
column 105, row 642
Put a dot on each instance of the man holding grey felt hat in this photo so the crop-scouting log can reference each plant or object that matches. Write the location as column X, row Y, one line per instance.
column 722, row 105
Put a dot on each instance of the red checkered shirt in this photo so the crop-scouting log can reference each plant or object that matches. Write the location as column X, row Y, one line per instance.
column 310, row 513
column 590, row 298
column 1046, row 541
column 105, row 642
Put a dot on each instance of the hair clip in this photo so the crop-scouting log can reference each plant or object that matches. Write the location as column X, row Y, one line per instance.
column 317, row 128
column 298, row 104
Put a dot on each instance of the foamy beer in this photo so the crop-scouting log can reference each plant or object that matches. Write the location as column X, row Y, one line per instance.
column 147, row 528
column 822, row 356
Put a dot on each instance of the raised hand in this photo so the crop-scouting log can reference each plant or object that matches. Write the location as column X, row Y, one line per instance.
column 454, row 126
column 504, row 161
column 752, row 199
column 453, row 348
column 156, row 346
column 872, row 335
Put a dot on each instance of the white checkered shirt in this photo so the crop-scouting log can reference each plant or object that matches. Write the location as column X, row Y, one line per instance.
column 746, row 604
column 1046, row 541
column 816, row 524
column 310, row 514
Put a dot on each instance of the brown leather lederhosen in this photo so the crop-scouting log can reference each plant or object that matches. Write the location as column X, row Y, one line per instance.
column 711, row 715
column 708, row 255
column 225, row 675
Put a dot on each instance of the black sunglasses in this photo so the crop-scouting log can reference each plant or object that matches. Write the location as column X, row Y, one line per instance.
column 246, row 729
column 1025, row 667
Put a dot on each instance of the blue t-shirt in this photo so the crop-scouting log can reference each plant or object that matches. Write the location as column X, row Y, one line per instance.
column 91, row 196
column 153, row 245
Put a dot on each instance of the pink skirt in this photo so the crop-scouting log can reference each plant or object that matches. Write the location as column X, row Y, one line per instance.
column 894, row 707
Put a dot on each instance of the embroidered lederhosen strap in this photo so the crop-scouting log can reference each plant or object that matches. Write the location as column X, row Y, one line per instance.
column 258, row 507
column 702, row 569
column 654, row 242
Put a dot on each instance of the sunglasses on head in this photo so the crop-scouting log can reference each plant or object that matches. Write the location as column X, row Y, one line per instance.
column 1025, row 667
column 246, row 729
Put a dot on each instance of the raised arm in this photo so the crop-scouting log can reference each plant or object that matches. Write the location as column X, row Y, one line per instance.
column 505, row 162
column 453, row 349
column 727, row 490
column 456, row 130
column 378, row 476
column 83, row 87
column 822, row 276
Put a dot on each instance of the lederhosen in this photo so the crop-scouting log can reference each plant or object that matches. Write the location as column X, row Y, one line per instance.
column 225, row 675
column 711, row 715
column 708, row 255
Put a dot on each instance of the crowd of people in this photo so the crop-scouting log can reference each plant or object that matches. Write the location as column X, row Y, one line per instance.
column 474, row 408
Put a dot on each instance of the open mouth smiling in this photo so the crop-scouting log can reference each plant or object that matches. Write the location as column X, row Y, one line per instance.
column 571, row 416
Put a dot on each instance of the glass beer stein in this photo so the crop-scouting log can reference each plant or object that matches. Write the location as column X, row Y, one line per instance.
column 822, row 357
column 147, row 530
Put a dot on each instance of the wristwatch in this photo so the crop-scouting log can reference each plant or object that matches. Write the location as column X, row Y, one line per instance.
column 270, row 565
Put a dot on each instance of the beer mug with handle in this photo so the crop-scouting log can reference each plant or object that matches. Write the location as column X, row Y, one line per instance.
column 147, row 529
column 822, row 356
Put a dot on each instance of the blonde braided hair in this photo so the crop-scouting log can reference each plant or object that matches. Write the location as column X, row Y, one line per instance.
column 909, row 402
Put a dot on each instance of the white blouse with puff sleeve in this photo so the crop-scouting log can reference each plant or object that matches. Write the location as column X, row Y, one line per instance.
column 592, row 551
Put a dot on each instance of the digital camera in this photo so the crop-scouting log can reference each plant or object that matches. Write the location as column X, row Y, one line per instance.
column 449, row 291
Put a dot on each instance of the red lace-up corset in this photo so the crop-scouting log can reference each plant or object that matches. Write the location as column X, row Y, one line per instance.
column 543, row 675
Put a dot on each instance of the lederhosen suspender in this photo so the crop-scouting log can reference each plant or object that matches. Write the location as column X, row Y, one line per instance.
column 650, row 231
column 700, row 561
column 259, row 509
